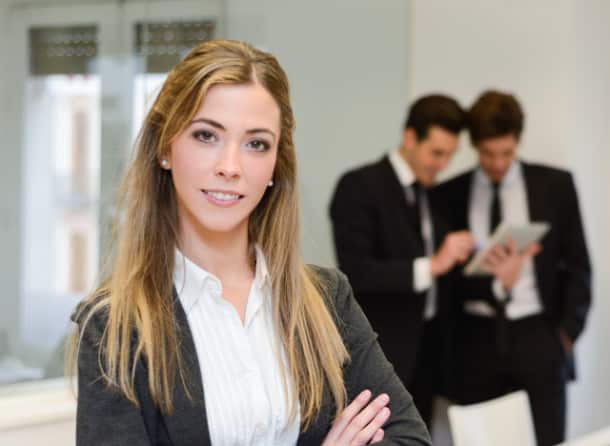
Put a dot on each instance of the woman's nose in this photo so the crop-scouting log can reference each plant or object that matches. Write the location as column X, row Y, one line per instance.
column 228, row 164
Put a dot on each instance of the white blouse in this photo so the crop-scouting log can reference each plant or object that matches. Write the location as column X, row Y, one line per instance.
column 244, row 396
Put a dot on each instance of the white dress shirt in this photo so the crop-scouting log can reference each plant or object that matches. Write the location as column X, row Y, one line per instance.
column 525, row 299
column 422, row 275
column 244, row 396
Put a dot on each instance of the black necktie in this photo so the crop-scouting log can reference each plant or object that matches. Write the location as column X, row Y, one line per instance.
column 495, row 217
column 495, row 212
column 416, row 189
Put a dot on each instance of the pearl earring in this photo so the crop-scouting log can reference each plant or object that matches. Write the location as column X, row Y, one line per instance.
column 270, row 183
column 164, row 163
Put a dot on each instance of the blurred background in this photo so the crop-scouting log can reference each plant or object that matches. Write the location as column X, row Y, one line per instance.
column 78, row 77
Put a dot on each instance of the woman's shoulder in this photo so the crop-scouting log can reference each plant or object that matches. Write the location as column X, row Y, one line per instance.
column 330, row 277
column 91, row 313
column 332, row 280
column 335, row 288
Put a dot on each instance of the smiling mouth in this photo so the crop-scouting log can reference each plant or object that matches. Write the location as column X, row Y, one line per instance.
column 222, row 196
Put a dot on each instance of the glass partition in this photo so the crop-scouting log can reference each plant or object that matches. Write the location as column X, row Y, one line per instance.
column 85, row 80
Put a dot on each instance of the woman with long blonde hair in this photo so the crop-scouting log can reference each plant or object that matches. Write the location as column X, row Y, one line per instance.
column 210, row 329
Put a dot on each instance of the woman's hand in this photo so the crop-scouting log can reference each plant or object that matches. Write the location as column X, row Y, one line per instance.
column 360, row 422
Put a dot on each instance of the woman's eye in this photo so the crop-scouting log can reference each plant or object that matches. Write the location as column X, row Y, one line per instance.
column 259, row 145
column 204, row 136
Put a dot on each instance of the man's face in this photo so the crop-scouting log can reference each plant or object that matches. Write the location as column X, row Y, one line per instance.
column 496, row 155
column 431, row 155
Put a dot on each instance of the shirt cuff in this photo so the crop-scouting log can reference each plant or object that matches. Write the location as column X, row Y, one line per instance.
column 499, row 292
column 422, row 276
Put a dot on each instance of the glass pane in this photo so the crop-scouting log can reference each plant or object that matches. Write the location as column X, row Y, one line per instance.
column 158, row 46
column 61, row 147
column 163, row 44
column 77, row 122
column 146, row 87
column 62, row 50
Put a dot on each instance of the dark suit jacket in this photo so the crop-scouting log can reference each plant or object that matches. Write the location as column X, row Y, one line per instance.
column 562, row 268
column 105, row 417
column 377, row 240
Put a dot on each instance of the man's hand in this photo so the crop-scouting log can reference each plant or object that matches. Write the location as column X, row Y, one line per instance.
column 506, row 262
column 456, row 248
column 565, row 341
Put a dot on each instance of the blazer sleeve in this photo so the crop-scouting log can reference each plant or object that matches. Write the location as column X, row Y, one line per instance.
column 574, row 265
column 356, row 226
column 368, row 368
column 104, row 416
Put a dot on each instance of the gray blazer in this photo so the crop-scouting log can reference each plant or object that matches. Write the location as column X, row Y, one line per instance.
column 105, row 417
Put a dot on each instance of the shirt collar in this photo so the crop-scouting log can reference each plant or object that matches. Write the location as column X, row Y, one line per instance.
column 190, row 279
column 401, row 168
column 512, row 175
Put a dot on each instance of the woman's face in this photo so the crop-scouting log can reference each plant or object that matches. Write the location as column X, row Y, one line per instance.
column 223, row 161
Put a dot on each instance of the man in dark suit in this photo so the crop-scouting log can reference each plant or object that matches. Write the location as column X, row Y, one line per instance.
column 393, row 248
column 517, row 326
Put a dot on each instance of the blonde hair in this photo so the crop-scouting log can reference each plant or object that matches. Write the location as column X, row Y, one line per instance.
column 137, row 296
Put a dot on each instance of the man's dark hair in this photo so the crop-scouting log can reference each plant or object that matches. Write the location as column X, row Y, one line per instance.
column 435, row 109
column 494, row 114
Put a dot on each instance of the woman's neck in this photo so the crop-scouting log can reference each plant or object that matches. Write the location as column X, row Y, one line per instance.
column 226, row 255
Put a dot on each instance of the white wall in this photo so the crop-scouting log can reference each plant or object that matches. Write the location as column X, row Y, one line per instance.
column 10, row 191
column 589, row 154
column 554, row 54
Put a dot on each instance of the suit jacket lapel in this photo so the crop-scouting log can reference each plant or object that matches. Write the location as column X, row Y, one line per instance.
column 536, row 199
column 535, row 194
column 320, row 426
column 395, row 197
column 188, row 424
column 465, row 196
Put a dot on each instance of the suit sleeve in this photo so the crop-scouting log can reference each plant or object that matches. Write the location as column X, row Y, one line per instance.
column 104, row 416
column 369, row 369
column 356, row 227
column 574, row 265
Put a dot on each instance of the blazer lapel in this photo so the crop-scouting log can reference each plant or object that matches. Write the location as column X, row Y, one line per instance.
column 320, row 426
column 463, row 201
column 395, row 197
column 536, row 199
column 187, row 425
column 535, row 194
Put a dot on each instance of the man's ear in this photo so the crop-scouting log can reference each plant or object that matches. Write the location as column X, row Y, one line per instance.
column 409, row 138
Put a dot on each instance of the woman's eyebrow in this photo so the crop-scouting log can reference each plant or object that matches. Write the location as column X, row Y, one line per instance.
column 210, row 122
column 219, row 126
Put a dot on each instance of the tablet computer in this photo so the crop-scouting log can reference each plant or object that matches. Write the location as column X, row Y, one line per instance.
column 523, row 235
